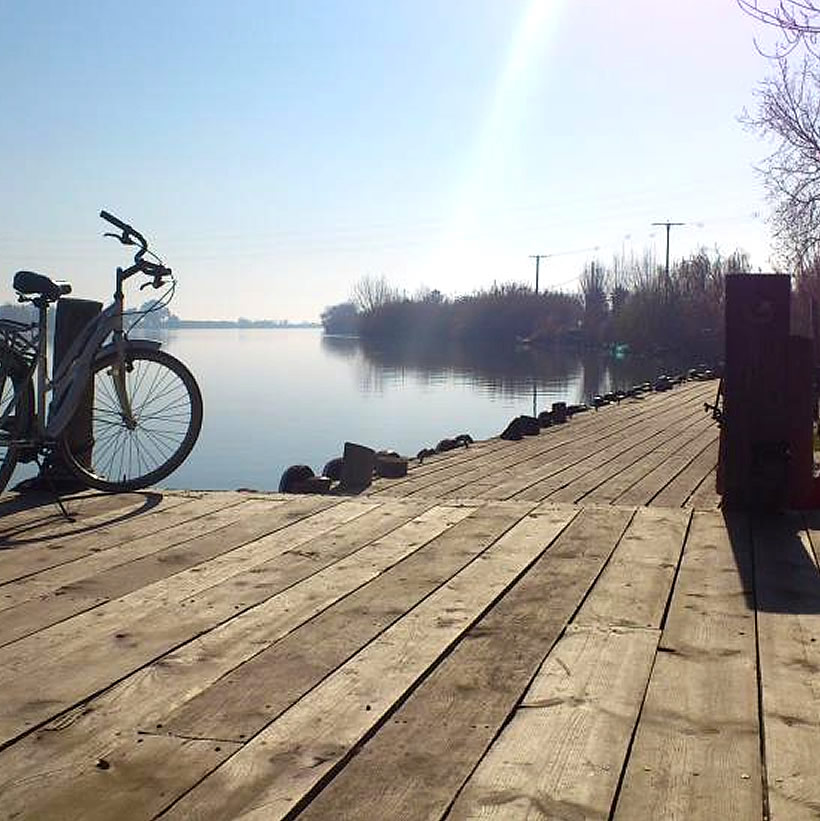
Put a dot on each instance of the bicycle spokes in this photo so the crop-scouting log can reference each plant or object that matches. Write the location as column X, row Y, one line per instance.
column 146, row 415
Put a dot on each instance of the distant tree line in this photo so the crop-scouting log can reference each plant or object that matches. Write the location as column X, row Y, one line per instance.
column 629, row 302
column 157, row 316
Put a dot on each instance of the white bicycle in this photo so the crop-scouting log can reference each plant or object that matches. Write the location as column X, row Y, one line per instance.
column 146, row 407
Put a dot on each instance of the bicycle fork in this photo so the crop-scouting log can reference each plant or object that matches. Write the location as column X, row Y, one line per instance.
column 118, row 373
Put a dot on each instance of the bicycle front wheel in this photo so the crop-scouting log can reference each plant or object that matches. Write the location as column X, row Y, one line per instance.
column 146, row 413
column 16, row 409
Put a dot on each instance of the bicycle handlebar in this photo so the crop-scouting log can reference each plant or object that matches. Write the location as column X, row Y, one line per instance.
column 130, row 236
column 118, row 223
column 128, row 233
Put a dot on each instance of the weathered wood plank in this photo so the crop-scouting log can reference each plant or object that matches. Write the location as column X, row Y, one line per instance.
column 572, row 460
column 656, row 467
column 93, row 534
column 414, row 765
column 123, row 635
column 104, row 780
column 87, row 554
column 787, row 586
column 504, row 462
column 705, row 495
column 462, row 469
column 273, row 773
column 524, row 466
column 642, row 456
column 44, row 521
column 111, row 723
column 25, row 510
column 634, row 587
column 451, row 463
column 70, row 589
column 674, row 484
column 697, row 749
column 562, row 753
column 593, row 461
column 242, row 703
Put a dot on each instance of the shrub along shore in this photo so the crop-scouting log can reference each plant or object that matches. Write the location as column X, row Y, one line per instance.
column 629, row 305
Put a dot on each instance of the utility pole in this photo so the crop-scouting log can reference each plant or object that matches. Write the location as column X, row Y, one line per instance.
column 668, row 226
column 537, row 258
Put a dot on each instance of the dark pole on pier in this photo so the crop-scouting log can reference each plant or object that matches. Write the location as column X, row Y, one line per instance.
column 537, row 258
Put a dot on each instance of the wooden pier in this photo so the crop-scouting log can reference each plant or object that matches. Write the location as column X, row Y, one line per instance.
column 564, row 627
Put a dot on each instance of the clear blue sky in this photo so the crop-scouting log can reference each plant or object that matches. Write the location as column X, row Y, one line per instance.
column 277, row 151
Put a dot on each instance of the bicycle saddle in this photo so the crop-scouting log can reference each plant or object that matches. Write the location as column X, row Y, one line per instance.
column 27, row 282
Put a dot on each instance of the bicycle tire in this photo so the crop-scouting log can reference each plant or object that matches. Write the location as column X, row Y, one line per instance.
column 167, row 409
column 17, row 395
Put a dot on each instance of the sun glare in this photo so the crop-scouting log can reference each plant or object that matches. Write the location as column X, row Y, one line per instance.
column 497, row 138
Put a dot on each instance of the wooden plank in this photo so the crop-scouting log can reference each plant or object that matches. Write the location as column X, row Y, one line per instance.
column 562, row 753
column 85, row 555
column 450, row 463
column 109, row 724
column 787, row 585
column 414, row 765
column 588, row 429
column 78, row 657
column 547, row 444
column 241, row 704
column 705, row 495
column 239, row 556
column 105, row 778
column 506, row 483
column 697, row 749
column 56, row 595
column 634, row 588
column 277, row 769
column 667, row 489
column 40, row 551
column 18, row 509
column 641, row 456
column 439, row 463
column 44, row 521
column 662, row 463
column 574, row 469
column 526, row 466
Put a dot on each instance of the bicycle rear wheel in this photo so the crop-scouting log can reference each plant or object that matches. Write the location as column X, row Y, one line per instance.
column 16, row 409
column 129, row 452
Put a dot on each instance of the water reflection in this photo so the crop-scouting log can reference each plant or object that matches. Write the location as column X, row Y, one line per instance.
column 498, row 371
column 279, row 397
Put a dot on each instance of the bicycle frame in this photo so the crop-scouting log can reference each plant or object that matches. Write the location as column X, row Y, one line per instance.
column 70, row 379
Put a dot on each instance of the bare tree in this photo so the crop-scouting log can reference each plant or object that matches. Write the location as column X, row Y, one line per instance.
column 370, row 293
column 798, row 20
column 789, row 112
column 594, row 283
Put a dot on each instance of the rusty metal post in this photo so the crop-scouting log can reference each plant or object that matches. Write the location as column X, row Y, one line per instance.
column 755, row 440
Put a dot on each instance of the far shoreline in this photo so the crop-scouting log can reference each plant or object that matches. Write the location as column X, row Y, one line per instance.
column 265, row 324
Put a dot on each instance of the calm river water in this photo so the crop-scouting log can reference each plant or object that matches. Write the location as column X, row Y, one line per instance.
column 274, row 397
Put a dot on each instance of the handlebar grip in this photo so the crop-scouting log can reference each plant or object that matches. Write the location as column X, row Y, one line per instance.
column 116, row 222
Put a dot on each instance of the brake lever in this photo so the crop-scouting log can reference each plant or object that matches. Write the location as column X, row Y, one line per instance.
column 123, row 238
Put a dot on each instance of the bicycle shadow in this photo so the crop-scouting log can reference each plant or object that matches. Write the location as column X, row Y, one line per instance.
column 35, row 518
